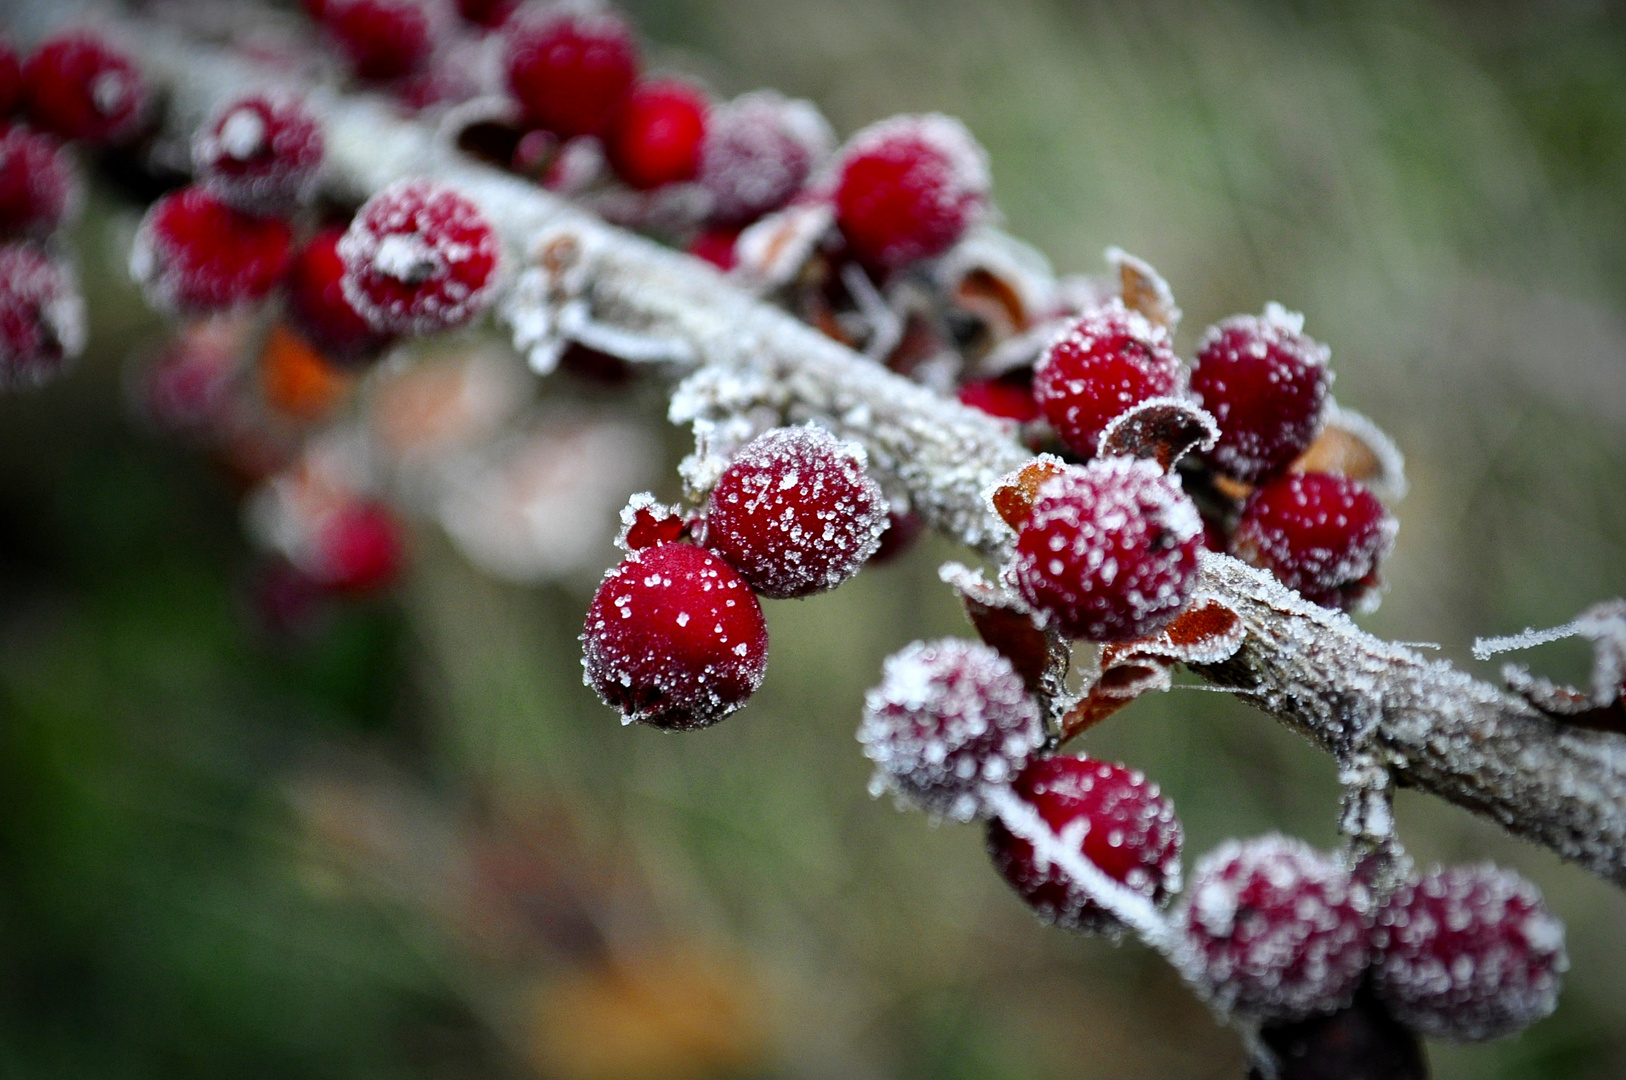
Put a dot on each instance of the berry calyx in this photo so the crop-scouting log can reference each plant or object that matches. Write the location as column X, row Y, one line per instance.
column 1321, row 534
column 317, row 308
column 260, row 154
column 39, row 187
column 76, row 86
column 193, row 253
column 795, row 512
column 356, row 549
column 949, row 717
column 759, row 151
column 1111, row 815
column 1108, row 361
column 674, row 638
column 657, row 134
column 1470, row 953
column 42, row 316
column 1109, row 550
column 570, row 71
column 383, row 39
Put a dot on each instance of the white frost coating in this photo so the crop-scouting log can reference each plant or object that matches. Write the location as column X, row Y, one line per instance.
column 759, row 151
column 42, row 316
column 1389, row 482
column 1485, row 648
column 1159, row 304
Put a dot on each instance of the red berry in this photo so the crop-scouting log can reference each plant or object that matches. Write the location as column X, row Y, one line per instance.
column 11, row 77
column 318, row 309
column 194, row 253
column 42, row 316
column 357, row 548
column 570, row 71
column 657, row 133
column 78, row 87
column 1109, row 550
column 1108, row 361
column 39, row 187
column 1321, row 534
column 1107, row 812
column 1273, row 929
column 795, row 513
column 759, row 151
column 948, row 717
column 419, row 257
column 260, row 153
column 385, row 39
column 486, row 12
column 716, row 246
column 1469, row 953
column 908, row 188
column 674, row 638
column 1008, row 396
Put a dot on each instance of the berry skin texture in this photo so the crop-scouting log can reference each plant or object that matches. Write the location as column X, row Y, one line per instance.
column 318, row 310
column 384, row 39
column 948, row 717
column 570, row 71
column 759, row 151
column 76, row 86
column 1321, row 534
column 1109, row 813
column 1109, row 550
column 11, row 77
column 795, row 513
column 39, row 187
column 1273, row 929
column 42, row 316
column 1469, row 953
column 358, row 549
column 419, row 258
column 1266, row 384
column 674, row 638
column 908, row 188
column 1108, row 361
column 193, row 253
column 657, row 134
column 260, row 154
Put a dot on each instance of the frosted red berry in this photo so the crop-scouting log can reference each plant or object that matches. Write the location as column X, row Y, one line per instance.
column 759, row 151
column 260, row 154
column 42, row 316
column 357, row 548
column 657, row 133
column 418, row 258
column 1109, row 550
column 908, row 188
column 674, row 638
column 1321, row 534
column 1273, row 929
column 949, row 717
column 11, row 77
column 1110, row 814
column 317, row 308
column 194, row 253
column 1470, row 953
column 569, row 71
column 384, row 39
column 1108, row 361
column 795, row 512
column 39, row 187
column 1009, row 396
column 77, row 86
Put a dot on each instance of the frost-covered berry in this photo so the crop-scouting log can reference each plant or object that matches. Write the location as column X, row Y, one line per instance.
column 795, row 513
column 418, row 258
column 77, row 86
column 1469, row 952
column 1272, row 928
column 1109, row 813
column 1266, row 383
column 657, row 133
column 42, row 316
column 570, row 70
column 260, row 154
column 759, row 151
column 1108, row 361
column 1009, row 396
column 948, row 717
column 674, row 638
column 356, row 549
column 385, row 39
column 39, row 187
column 194, row 253
column 11, row 77
column 317, row 308
column 1109, row 550
column 908, row 188
column 1321, row 534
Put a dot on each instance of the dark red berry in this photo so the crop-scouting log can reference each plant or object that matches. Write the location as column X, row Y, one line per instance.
column 1470, row 952
column 795, row 513
column 716, row 246
column 674, row 638
column 1321, row 534
column 194, row 253
column 568, row 70
column 357, row 548
column 908, row 188
column 656, row 136
column 418, row 258
column 260, row 154
column 1108, row 361
column 759, row 151
column 1273, row 929
column 384, row 39
column 77, row 86
column 1109, row 550
column 42, row 316
column 11, row 77
column 487, row 12
column 1109, row 813
column 317, row 307
column 949, row 717
column 1009, row 396
column 39, row 187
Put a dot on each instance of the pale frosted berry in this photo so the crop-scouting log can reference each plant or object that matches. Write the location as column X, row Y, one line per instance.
column 1108, row 361
column 1266, row 384
column 1008, row 396
column 385, row 39
column 1469, row 952
column 419, row 257
column 42, row 316
column 39, row 187
column 674, row 638
column 1321, row 534
column 1109, row 550
column 568, row 70
column 656, row 136
column 77, row 86
column 759, row 151
column 1110, row 814
column 260, row 154
column 11, row 77
column 1274, row 929
column 357, row 548
column 949, row 717
column 795, row 512
column 908, row 188
column 194, row 253
column 317, row 308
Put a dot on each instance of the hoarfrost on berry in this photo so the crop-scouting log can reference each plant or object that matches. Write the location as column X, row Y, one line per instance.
column 195, row 253
column 1107, row 361
column 259, row 153
column 760, row 150
column 42, row 316
column 39, row 187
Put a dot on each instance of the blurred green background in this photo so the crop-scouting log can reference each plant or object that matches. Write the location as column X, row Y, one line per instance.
column 413, row 845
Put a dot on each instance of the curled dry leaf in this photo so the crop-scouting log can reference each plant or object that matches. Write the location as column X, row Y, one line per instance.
column 1159, row 429
column 1144, row 290
column 1012, row 498
column 1005, row 623
column 1352, row 446
column 1004, row 282
column 772, row 252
